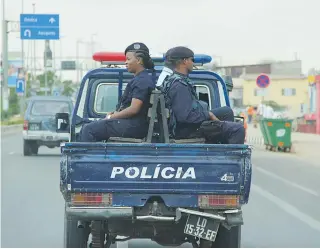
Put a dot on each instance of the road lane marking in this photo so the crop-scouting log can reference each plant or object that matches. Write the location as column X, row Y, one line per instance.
column 286, row 181
column 11, row 153
column 288, row 208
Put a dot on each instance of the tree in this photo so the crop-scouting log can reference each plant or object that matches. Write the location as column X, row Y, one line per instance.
column 52, row 82
column 68, row 90
column 51, row 79
column 28, row 85
column 14, row 107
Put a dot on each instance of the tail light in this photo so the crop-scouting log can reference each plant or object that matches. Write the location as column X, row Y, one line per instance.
column 91, row 199
column 25, row 125
column 218, row 201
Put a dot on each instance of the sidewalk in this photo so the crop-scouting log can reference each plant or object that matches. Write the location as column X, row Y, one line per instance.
column 303, row 144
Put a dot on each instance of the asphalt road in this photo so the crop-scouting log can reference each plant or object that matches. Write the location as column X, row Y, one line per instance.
column 283, row 210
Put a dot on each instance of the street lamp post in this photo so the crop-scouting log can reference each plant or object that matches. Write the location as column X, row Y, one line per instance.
column 77, row 60
column 5, row 66
column 78, row 42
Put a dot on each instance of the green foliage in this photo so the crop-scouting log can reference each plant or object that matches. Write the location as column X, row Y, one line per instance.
column 52, row 81
column 68, row 90
column 12, row 121
column 14, row 107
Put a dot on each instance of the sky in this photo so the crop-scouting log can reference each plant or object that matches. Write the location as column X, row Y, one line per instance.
column 232, row 31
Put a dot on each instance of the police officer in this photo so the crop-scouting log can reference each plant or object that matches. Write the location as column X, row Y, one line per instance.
column 188, row 115
column 130, row 117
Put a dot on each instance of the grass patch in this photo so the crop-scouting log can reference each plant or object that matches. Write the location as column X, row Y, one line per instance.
column 12, row 121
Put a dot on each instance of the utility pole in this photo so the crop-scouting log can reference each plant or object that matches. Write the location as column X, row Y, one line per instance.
column 45, row 71
column 92, row 42
column 92, row 49
column 23, row 97
column 60, row 42
column 34, row 52
column 77, row 60
column 5, row 93
column 47, row 62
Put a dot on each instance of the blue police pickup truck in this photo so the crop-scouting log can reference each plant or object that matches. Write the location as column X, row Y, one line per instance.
column 170, row 191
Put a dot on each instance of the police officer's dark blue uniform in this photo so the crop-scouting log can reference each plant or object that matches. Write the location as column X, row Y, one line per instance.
column 130, row 119
column 187, row 111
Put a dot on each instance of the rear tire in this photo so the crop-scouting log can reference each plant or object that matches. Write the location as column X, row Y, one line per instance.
column 35, row 148
column 30, row 147
column 27, row 148
column 74, row 237
column 228, row 238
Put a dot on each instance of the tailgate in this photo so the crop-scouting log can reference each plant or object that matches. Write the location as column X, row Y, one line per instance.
column 42, row 123
column 155, row 168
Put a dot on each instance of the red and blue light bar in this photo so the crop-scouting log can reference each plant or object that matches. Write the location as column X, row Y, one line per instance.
column 119, row 58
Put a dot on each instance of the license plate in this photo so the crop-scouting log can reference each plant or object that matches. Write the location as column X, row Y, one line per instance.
column 201, row 227
column 34, row 127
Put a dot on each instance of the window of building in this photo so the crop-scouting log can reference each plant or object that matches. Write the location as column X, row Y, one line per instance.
column 288, row 92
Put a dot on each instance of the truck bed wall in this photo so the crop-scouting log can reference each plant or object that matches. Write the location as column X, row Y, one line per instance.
column 156, row 168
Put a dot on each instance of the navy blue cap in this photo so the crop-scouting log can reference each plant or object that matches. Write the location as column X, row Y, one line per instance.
column 137, row 47
column 178, row 53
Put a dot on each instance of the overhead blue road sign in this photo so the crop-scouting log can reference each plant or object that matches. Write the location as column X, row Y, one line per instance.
column 20, row 85
column 56, row 91
column 39, row 34
column 39, row 27
column 263, row 81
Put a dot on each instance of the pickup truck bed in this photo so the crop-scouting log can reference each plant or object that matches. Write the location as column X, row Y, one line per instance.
column 132, row 170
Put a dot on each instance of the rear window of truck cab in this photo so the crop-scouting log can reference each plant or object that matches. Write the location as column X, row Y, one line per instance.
column 106, row 96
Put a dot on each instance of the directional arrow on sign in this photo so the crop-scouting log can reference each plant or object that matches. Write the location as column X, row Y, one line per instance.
column 27, row 32
column 52, row 20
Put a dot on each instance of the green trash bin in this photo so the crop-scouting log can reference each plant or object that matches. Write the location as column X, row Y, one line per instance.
column 276, row 133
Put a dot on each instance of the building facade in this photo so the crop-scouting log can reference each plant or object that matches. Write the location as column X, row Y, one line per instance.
column 241, row 73
column 289, row 92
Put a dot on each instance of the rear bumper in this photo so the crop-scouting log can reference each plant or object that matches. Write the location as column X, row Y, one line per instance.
column 46, row 136
column 228, row 217
column 100, row 213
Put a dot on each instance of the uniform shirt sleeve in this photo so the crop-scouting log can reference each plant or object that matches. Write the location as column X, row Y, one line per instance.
column 141, row 89
column 181, row 100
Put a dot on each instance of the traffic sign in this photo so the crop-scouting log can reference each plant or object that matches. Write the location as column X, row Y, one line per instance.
column 263, row 81
column 68, row 65
column 20, row 87
column 39, row 27
column 56, row 91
